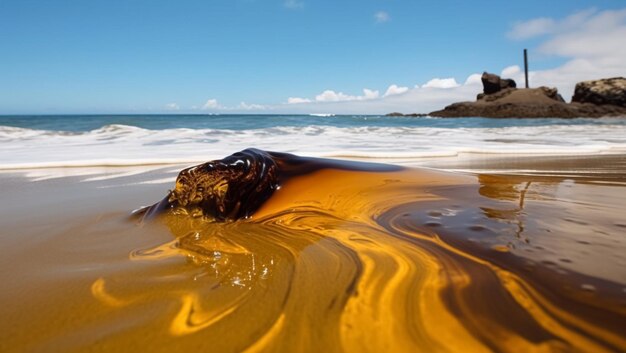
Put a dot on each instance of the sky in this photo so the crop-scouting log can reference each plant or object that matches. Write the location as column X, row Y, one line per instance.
column 293, row 56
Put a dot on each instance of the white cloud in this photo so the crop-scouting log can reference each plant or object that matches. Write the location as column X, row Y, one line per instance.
column 543, row 26
column 246, row 106
column 370, row 94
column 297, row 100
column 598, row 36
column 332, row 96
column 532, row 28
column 441, row 83
column 510, row 71
column 172, row 106
column 293, row 4
column 211, row 104
column 474, row 79
column 395, row 90
column 382, row 17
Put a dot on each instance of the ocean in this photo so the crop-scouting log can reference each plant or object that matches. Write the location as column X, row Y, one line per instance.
column 101, row 140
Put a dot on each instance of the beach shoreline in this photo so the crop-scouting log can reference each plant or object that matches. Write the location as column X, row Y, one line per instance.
column 75, row 259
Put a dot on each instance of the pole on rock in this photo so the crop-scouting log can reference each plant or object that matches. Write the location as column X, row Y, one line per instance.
column 526, row 66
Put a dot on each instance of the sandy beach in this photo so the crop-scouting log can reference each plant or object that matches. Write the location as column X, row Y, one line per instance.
column 338, row 260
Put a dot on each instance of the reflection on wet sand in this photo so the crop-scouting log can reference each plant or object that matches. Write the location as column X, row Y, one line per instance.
column 396, row 261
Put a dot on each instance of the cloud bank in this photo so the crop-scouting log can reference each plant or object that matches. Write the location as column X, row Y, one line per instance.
column 591, row 41
column 432, row 95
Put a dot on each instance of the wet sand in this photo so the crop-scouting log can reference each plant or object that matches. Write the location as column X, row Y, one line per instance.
column 337, row 260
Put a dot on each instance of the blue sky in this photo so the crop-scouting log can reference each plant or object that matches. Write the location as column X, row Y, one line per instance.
column 155, row 56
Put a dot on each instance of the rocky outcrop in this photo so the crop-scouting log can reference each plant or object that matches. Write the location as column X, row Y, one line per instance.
column 492, row 83
column 552, row 93
column 412, row 115
column 601, row 92
column 595, row 99
column 513, row 103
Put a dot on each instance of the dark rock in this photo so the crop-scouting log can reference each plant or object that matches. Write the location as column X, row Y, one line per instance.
column 507, row 83
column 491, row 83
column 412, row 115
column 601, row 92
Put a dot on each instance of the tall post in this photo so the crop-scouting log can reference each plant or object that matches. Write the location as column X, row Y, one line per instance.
column 526, row 66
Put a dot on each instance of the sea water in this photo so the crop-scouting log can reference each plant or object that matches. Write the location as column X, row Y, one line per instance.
column 90, row 140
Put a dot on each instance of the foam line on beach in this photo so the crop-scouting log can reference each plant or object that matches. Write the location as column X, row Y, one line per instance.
column 405, row 159
column 23, row 148
column 99, row 163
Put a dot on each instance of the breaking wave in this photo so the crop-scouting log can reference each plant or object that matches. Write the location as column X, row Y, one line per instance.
column 119, row 144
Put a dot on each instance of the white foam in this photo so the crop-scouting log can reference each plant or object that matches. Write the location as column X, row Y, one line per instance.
column 54, row 173
column 169, row 180
column 121, row 145
column 121, row 174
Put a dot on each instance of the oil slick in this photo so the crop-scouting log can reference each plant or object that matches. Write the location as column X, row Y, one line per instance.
column 342, row 257
column 359, row 259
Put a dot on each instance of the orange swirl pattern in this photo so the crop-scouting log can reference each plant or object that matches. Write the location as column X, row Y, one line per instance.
column 402, row 261
column 337, row 260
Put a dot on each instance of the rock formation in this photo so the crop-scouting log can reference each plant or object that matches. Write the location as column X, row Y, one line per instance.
column 601, row 92
column 501, row 99
column 492, row 83
column 412, row 115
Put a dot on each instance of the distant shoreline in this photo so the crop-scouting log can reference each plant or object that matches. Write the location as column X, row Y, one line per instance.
column 502, row 99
